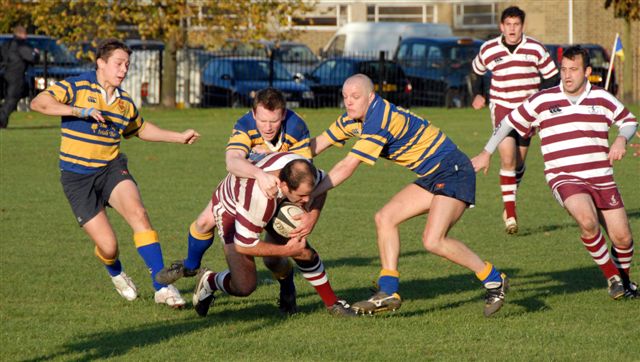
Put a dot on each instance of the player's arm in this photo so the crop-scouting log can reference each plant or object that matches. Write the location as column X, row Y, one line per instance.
column 338, row 174
column 45, row 103
column 152, row 133
column 309, row 219
column 619, row 146
column 293, row 247
column 483, row 159
column 319, row 143
column 476, row 89
column 239, row 166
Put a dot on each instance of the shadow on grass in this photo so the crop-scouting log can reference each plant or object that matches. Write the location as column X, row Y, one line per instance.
column 117, row 343
column 529, row 291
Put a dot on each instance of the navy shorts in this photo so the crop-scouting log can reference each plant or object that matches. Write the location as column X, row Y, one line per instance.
column 454, row 178
column 88, row 194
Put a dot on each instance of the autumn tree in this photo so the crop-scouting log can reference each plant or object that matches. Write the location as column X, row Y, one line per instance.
column 629, row 10
column 196, row 22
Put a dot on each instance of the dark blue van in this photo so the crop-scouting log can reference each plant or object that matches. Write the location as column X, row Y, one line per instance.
column 438, row 69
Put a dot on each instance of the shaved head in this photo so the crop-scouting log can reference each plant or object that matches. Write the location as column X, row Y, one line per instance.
column 361, row 81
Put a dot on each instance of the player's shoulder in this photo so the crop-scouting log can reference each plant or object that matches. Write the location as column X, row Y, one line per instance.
column 546, row 94
column 294, row 123
column 245, row 123
column 489, row 44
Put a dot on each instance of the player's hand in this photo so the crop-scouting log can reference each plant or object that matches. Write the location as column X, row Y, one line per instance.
column 618, row 149
column 308, row 221
column 268, row 184
column 295, row 246
column 260, row 149
column 481, row 162
column 478, row 102
column 190, row 136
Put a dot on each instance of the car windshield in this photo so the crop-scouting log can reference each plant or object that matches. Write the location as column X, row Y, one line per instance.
column 295, row 53
column 372, row 69
column 461, row 54
column 56, row 53
column 259, row 70
column 598, row 58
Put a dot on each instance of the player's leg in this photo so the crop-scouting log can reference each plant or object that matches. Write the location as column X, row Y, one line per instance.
column 508, row 151
column 106, row 250
column 82, row 192
column 581, row 207
column 125, row 199
column 312, row 269
column 445, row 212
column 282, row 270
column 240, row 279
column 201, row 234
column 616, row 224
column 411, row 201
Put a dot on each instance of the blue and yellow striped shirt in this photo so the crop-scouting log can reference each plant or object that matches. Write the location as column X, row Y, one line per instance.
column 87, row 145
column 293, row 137
column 395, row 134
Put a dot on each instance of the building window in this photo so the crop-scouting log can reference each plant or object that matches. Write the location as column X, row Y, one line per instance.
column 407, row 13
column 476, row 16
column 323, row 17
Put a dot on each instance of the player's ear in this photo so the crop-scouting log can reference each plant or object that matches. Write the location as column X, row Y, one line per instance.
column 284, row 187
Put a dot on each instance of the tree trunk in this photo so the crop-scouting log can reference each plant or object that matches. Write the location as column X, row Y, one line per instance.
column 627, row 67
column 169, row 72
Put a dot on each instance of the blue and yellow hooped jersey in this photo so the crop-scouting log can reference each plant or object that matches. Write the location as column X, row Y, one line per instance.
column 87, row 145
column 293, row 137
column 395, row 134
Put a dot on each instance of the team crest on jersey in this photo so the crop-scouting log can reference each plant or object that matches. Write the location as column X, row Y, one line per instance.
column 121, row 105
column 595, row 110
column 613, row 201
column 554, row 109
column 498, row 60
column 356, row 132
column 94, row 127
column 92, row 99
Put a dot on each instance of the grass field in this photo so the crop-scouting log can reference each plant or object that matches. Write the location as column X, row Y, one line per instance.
column 57, row 302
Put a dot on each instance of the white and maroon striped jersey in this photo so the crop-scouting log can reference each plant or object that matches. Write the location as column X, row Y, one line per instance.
column 242, row 198
column 574, row 137
column 515, row 76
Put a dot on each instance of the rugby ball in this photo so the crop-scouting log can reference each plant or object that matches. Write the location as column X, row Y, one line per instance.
column 284, row 222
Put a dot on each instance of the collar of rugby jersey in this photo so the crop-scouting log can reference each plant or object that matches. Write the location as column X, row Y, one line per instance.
column 522, row 42
column 116, row 91
column 377, row 102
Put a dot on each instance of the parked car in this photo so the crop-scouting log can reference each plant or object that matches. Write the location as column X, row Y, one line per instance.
column 599, row 64
column 327, row 78
column 234, row 81
column 438, row 69
column 56, row 62
column 296, row 57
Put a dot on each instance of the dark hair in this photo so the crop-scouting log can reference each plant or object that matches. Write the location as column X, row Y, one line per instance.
column 575, row 50
column 107, row 47
column 297, row 172
column 512, row 12
column 270, row 98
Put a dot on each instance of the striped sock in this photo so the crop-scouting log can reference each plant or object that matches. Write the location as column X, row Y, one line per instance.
column 597, row 247
column 389, row 281
column 508, row 186
column 114, row 267
column 198, row 245
column 149, row 249
column 622, row 259
column 490, row 276
column 220, row 281
column 313, row 272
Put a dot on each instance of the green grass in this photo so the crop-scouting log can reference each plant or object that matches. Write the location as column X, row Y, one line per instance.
column 57, row 302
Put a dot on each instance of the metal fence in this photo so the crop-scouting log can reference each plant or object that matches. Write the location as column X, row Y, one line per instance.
column 225, row 79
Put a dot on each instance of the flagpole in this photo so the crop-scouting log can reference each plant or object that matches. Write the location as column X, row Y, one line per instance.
column 612, row 57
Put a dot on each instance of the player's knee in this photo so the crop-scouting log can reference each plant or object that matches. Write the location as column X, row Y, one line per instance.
column 621, row 238
column 138, row 213
column 244, row 290
column 107, row 255
column 431, row 243
column 588, row 225
column 383, row 219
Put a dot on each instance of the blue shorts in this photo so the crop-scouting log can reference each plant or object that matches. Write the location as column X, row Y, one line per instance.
column 454, row 178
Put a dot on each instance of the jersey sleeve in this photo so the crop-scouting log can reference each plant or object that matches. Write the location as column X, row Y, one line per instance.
column 478, row 65
column 374, row 137
column 546, row 66
column 522, row 118
column 136, row 123
column 61, row 91
column 297, row 136
column 341, row 130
